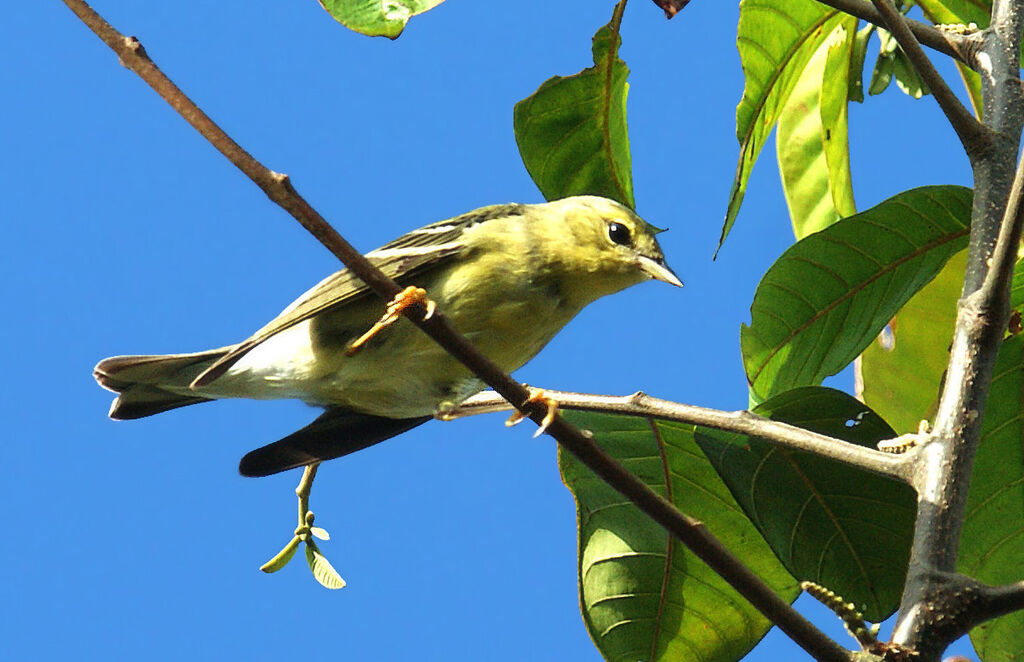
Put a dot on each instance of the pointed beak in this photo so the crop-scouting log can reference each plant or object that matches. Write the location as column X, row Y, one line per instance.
column 658, row 270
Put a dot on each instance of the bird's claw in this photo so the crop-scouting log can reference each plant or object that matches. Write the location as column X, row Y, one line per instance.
column 410, row 296
column 536, row 395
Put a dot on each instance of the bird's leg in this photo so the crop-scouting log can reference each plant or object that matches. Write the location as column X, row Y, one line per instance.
column 410, row 296
column 536, row 395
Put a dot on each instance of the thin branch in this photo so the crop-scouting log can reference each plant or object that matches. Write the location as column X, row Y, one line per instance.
column 973, row 135
column 953, row 45
column 742, row 422
column 687, row 529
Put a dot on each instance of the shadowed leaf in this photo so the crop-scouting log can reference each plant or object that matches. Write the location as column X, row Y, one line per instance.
column 992, row 543
column 572, row 132
column 828, row 296
column 644, row 595
column 843, row 528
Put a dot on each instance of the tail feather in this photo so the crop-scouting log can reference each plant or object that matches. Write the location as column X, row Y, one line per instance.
column 335, row 433
column 148, row 385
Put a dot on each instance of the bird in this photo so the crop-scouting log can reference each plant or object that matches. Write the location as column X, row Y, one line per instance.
column 509, row 277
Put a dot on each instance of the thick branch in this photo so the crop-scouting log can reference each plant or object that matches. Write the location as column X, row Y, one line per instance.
column 742, row 422
column 687, row 529
column 953, row 45
column 973, row 135
column 944, row 464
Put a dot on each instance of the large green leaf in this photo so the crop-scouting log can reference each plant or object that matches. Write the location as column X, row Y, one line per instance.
column 377, row 18
column 812, row 140
column 992, row 542
column 827, row 297
column 572, row 132
column 900, row 371
column 644, row 595
column 841, row 527
column 776, row 41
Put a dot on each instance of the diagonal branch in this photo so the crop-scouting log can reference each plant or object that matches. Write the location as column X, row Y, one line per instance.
column 742, row 422
column 277, row 186
column 973, row 135
column 953, row 45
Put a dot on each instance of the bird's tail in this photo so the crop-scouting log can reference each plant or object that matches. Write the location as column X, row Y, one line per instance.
column 148, row 385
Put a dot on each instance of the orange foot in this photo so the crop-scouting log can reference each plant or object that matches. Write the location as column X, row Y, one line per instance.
column 536, row 395
column 410, row 296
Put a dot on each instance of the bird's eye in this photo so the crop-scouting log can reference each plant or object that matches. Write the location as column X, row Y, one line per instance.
column 618, row 233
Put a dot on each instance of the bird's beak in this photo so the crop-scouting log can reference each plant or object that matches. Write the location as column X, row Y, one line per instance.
column 657, row 269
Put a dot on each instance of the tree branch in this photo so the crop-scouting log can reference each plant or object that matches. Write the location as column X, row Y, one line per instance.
column 954, row 45
column 944, row 464
column 973, row 135
column 688, row 530
column 742, row 422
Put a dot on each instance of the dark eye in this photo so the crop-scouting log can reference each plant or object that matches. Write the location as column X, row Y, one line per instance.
column 618, row 233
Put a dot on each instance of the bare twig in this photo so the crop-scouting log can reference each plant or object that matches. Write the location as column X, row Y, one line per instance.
column 687, row 529
column 952, row 45
column 742, row 422
column 973, row 135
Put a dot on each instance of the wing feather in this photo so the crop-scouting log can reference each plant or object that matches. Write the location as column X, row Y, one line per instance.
column 409, row 256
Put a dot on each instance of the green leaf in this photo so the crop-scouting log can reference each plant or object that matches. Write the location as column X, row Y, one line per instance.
column 776, row 41
column 812, row 141
column 992, row 542
column 901, row 370
column 377, row 18
column 857, row 57
column 644, row 595
column 841, row 527
column 881, row 76
column 320, row 533
column 322, row 569
column 283, row 557
column 1017, row 287
column 906, row 76
column 572, row 132
column 828, row 296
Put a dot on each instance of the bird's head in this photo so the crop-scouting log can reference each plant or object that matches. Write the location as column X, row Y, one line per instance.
column 610, row 247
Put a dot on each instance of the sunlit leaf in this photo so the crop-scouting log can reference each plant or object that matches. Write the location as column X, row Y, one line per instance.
column 282, row 558
column 857, row 57
column 901, row 370
column 322, row 569
column 776, row 41
column 319, row 533
column 992, row 542
column 843, row 528
column 828, row 296
column 572, row 132
column 644, row 595
column 812, row 141
column 377, row 18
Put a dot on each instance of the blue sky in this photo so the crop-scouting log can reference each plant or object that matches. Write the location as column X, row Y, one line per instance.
column 125, row 232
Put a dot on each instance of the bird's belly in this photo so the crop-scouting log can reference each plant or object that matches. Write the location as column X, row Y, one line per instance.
column 402, row 373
